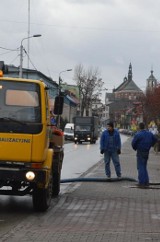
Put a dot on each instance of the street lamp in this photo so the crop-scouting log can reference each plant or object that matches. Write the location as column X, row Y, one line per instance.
column 79, row 87
column 21, row 52
column 60, row 79
column 59, row 94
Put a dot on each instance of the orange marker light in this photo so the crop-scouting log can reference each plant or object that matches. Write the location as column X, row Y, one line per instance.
column 1, row 73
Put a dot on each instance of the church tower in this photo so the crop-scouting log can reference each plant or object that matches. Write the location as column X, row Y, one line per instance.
column 128, row 89
column 151, row 82
column 130, row 73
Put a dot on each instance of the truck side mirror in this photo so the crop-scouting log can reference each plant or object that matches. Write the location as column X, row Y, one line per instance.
column 58, row 105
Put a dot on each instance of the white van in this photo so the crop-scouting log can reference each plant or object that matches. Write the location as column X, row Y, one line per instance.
column 69, row 131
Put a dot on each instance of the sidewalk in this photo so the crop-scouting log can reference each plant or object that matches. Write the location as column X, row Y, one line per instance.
column 101, row 211
column 116, row 211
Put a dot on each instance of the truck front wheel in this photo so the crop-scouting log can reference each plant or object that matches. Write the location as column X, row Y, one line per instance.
column 56, row 184
column 42, row 197
column 57, row 166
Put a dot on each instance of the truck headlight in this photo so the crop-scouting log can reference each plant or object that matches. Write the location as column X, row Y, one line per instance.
column 30, row 175
column 75, row 138
column 88, row 138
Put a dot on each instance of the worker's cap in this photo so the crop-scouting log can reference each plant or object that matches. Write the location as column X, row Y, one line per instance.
column 110, row 124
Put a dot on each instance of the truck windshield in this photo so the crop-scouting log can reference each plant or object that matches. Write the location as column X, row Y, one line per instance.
column 82, row 128
column 20, row 101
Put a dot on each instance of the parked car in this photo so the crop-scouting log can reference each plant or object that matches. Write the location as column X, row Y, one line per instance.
column 69, row 131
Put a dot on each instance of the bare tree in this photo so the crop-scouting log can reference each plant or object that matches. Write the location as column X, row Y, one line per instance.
column 89, row 84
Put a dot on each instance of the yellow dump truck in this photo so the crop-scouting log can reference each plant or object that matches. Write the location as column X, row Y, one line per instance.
column 30, row 158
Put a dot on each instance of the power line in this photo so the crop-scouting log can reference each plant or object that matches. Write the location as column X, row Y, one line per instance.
column 6, row 53
column 88, row 27
column 3, row 48
column 14, row 59
column 9, row 50
column 30, row 60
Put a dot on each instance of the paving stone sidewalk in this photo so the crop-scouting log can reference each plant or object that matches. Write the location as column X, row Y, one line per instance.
column 100, row 211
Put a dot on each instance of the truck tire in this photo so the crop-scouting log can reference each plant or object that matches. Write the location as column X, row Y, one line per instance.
column 42, row 197
column 56, row 184
column 57, row 166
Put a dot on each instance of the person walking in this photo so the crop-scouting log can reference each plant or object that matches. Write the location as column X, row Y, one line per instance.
column 110, row 146
column 142, row 143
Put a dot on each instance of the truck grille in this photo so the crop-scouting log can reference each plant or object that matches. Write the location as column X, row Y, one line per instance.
column 9, row 164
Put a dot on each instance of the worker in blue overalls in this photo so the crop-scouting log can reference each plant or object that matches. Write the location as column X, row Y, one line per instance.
column 142, row 143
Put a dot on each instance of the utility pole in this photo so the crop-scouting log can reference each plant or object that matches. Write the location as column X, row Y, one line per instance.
column 28, row 32
column 21, row 53
column 59, row 94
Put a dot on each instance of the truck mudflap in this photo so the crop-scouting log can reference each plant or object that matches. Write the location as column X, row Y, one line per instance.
column 17, row 183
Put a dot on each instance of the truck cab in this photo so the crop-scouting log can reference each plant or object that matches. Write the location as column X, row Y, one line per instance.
column 85, row 129
column 29, row 162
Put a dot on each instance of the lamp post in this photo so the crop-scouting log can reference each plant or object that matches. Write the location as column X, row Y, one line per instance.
column 21, row 52
column 60, row 80
column 59, row 93
column 79, row 100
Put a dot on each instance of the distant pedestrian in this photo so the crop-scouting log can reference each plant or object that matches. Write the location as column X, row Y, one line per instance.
column 110, row 146
column 142, row 143
column 154, row 130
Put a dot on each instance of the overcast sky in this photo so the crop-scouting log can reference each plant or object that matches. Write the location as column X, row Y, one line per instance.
column 108, row 34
